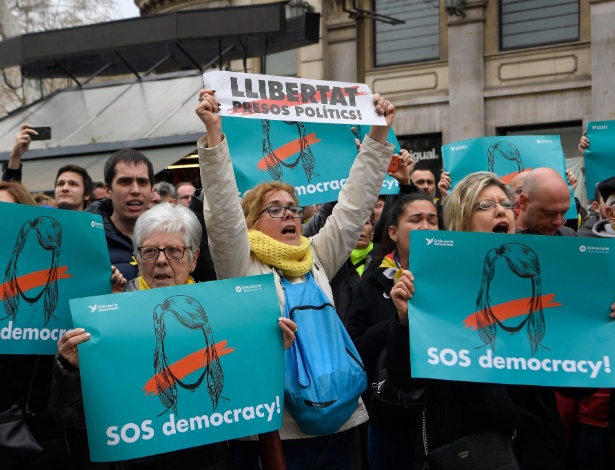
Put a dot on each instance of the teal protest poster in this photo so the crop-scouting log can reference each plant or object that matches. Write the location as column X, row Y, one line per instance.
column 506, row 156
column 600, row 155
column 314, row 158
column 512, row 309
column 49, row 256
column 178, row 367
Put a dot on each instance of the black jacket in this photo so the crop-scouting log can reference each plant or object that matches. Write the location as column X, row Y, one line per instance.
column 21, row 374
column 371, row 313
column 204, row 270
column 345, row 284
column 119, row 245
column 458, row 409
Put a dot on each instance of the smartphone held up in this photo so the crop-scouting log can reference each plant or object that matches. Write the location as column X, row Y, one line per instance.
column 394, row 165
column 42, row 133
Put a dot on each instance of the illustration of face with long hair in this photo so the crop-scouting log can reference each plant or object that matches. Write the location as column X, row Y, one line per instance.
column 524, row 263
column 49, row 236
column 190, row 314
column 506, row 150
column 275, row 164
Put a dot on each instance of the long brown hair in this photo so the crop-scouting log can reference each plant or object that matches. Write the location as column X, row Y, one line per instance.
column 19, row 193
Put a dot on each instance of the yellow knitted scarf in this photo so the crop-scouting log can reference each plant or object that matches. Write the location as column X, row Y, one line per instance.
column 293, row 261
column 143, row 285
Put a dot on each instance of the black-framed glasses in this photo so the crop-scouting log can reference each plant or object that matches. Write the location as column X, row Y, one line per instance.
column 487, row 204
column 151, row 253
column 277, row 212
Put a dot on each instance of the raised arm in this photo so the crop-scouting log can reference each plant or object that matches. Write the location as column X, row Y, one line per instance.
column 357, row 198
column 224, row 219
column 11, row 171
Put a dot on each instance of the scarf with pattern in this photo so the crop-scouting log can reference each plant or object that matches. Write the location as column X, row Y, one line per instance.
column 392, row 266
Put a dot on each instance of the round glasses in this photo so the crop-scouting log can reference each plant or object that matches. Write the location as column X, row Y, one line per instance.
column 151, row 253
column 489, row 204
column 277, row 212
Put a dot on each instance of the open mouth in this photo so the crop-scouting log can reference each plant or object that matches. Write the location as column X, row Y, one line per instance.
column 289, row 230
column 501, row 227
column 135, row 204
column 162, row 277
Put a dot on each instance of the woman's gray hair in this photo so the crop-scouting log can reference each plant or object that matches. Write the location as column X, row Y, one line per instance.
column 459, row 205
column 167, row 218
column 165, row 189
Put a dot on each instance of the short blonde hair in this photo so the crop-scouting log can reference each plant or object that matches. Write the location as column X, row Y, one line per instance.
column 459, row 205
column 42, row 199
column 253, row 200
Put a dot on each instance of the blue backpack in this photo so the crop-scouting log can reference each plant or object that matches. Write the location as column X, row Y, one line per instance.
column 324, row 374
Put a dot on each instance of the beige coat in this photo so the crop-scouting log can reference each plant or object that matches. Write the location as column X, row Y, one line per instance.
column 228, row 233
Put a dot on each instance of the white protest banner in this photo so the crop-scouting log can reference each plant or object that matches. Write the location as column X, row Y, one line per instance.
column 292, row 99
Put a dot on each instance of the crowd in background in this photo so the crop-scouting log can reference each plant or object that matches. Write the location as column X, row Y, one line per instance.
column 356, row 252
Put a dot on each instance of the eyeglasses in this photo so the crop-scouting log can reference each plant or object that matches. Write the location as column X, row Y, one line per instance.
column 151, row 253
column 185, row 196
column 490, row 204
column 277, row 212
column 518, row 191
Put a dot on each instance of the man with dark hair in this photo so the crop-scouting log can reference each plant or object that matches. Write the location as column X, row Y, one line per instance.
column 424, row 179
column 129, row 177
column 129, row 157
column 185, row 191
column 73, row 188
column 98, row 191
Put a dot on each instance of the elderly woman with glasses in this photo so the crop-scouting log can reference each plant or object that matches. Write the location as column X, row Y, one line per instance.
column 263, row 235
column 166, row 244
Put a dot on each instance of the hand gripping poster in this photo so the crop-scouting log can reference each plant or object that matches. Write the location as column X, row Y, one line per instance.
column 512, row 309
column 48, row 256
column 506, row 156
column 314, row 158
column 178, row 367
column 600, row 155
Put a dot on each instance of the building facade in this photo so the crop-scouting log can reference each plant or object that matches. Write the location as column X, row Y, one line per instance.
column 459, row 69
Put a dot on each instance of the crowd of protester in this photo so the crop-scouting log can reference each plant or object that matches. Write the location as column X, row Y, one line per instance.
column 355, row 253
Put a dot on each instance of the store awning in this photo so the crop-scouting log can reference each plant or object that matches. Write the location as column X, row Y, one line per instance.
column 153, row 113
column 88, row 124
column 181, row 40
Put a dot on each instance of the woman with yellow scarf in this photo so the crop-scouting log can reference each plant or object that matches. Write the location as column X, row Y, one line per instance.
column 263, row 235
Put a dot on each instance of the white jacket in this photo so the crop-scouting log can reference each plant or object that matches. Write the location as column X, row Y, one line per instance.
column 228, row 233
